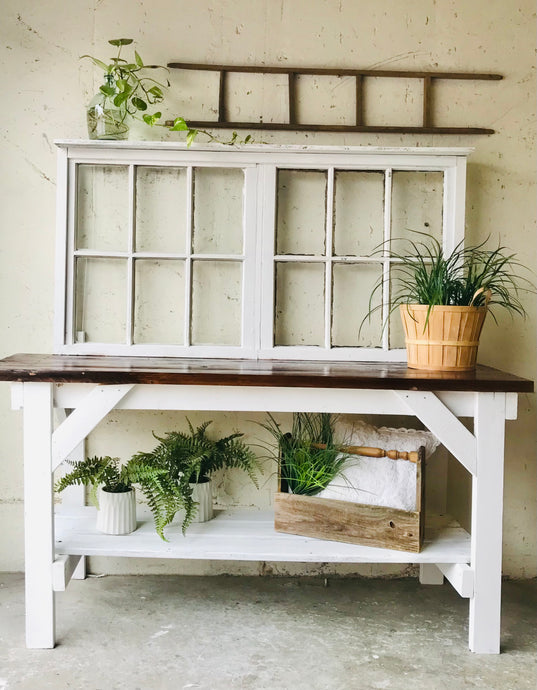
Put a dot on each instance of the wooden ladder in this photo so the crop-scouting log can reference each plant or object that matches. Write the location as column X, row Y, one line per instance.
column 428, row 79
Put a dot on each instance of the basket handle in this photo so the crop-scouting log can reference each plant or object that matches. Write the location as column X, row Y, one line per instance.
column 371, row 452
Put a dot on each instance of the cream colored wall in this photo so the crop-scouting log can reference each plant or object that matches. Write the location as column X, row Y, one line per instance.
column 46, row 87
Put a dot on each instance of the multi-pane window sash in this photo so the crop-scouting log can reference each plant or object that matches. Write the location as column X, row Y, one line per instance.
column 258, row 251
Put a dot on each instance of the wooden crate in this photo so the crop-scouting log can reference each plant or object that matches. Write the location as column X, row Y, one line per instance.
column 355, row 523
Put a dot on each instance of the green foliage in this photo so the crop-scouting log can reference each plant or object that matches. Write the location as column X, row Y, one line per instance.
column 132, row 87
column 95, row 472
column 308, row 456
column 193, row 457
column 468, row 276
column 161, row 493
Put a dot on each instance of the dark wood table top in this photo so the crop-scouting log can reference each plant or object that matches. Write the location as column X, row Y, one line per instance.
column 247, row 372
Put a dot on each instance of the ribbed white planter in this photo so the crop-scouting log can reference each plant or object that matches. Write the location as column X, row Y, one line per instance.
column 203, row 495
column 117, row 512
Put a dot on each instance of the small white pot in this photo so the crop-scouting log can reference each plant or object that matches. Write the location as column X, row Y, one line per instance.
column 117, row 512
column 203, row 495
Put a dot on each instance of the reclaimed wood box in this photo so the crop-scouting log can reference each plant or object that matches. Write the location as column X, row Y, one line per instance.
column 355, row 523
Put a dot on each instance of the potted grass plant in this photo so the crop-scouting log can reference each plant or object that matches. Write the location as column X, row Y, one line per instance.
column 189, row 460
column 113, row 494
column 443, row 298
column 308, row 457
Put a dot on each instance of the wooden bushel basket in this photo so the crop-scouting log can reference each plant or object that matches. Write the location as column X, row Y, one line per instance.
column 448, row 341
column 355, row 523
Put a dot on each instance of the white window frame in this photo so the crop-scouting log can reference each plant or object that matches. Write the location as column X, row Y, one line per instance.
column 260, row 165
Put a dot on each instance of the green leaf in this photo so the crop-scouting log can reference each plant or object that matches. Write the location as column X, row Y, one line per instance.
column 107, row 90
column 120, row 42
column 248, row 139
column 138, row 59
column 120, row 99
column 152, row 119
column 179, row 125
column 99, row 63
column 130, row 66
column 155, row 91
column 139, row 103
column 191, row 135
column 122, row 85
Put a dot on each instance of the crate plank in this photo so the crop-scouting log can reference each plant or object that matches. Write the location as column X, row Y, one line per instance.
column 356, row 523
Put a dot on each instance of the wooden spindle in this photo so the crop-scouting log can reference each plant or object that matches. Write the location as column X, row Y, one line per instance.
column 372, row 452
column 222, row 116
column 359, row 100
column 292, row 100
column 427, row 109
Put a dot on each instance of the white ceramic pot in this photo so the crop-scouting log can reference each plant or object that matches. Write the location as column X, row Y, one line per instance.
column 117, row 512
column 203, row 495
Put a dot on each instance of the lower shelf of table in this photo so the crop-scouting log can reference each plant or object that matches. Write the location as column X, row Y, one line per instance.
column 249, row 535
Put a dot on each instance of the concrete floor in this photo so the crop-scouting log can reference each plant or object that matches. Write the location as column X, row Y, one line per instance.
column 155, row 632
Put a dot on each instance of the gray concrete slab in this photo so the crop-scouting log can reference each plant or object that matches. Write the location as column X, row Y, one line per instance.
column 245, row 633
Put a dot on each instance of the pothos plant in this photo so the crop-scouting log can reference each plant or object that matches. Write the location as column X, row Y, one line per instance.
column 132, row 89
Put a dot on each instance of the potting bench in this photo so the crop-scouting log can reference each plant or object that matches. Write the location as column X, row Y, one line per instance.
column 91, row 386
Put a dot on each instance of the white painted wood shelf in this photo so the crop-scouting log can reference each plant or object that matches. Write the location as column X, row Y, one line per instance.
column 248, row 535
column 90, row 387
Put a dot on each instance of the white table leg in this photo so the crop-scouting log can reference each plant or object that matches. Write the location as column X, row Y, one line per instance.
column 74, row 495
column 38, row 515
column 487, row 512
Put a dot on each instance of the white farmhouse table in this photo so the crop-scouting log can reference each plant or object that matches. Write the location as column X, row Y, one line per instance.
column 89, row 387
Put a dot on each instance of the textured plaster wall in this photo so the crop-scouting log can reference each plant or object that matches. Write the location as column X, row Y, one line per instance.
column 45, row 89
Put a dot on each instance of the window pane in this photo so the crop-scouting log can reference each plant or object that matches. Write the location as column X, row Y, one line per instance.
column 358, row 212
column 161, row 208
column 101, row 293
column 102, row 220
column 417, row 201
column 301, row 212
column 218, row 204
column 216, row 302
column 352, row 287
column 159, row 301
column 299, row 315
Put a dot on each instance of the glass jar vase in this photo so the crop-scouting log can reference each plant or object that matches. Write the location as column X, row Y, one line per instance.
column 105, row 119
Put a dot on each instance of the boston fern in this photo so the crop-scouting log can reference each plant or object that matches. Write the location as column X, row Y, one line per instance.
column 162, row 496
column 189, row 458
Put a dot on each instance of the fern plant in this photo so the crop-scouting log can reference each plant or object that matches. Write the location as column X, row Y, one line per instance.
column 161, row 493
column 95, row 472
column 308, row 456
column 192, row 457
